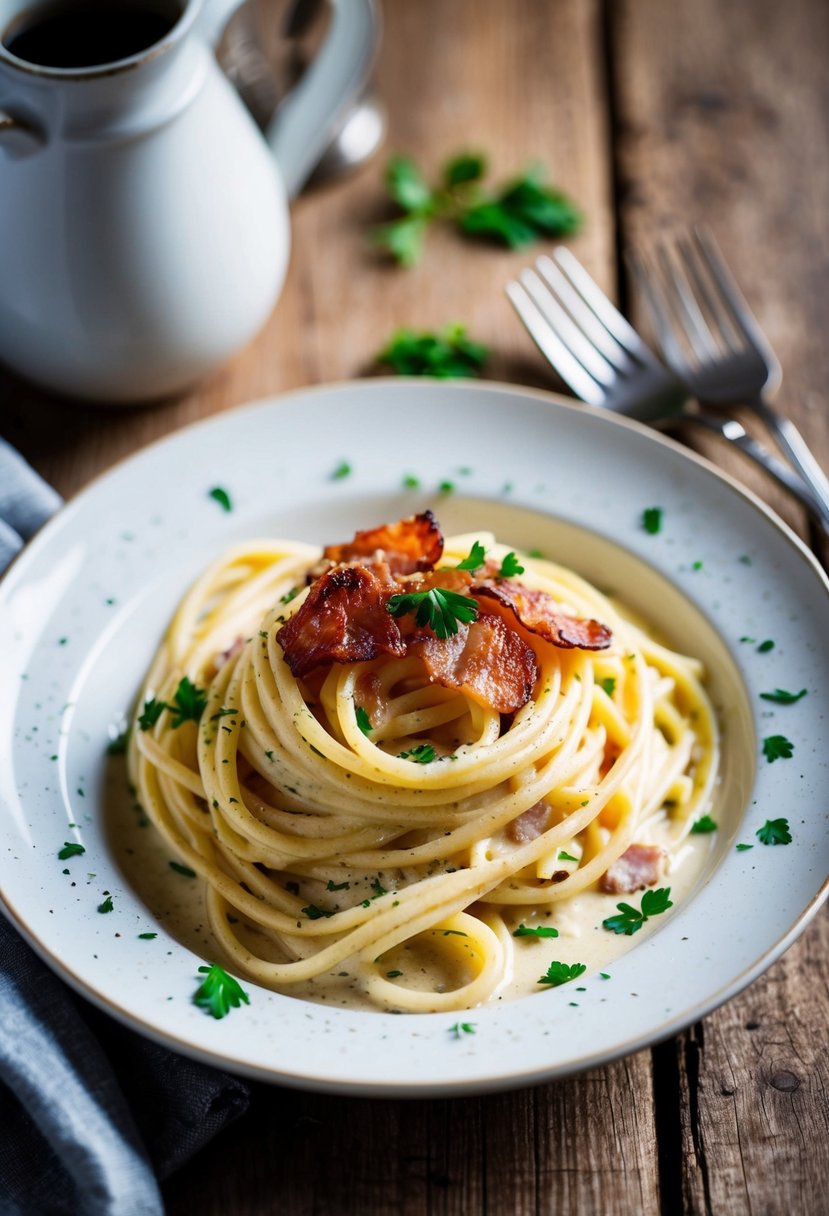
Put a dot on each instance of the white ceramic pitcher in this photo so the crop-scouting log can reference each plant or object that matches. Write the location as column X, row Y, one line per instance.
column 144, row 231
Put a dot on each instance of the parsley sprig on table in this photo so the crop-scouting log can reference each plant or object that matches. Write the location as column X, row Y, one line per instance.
column 219, row 992
column 448, row 354
column 516, row 215
column 438, row 608
column 630, row 920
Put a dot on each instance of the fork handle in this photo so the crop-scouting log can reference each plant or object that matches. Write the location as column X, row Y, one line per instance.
column 790, row 441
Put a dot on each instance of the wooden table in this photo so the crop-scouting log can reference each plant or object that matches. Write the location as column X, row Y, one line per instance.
column 648, row 113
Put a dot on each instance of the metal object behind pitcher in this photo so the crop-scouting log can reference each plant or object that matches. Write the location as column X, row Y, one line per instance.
column 266, row 49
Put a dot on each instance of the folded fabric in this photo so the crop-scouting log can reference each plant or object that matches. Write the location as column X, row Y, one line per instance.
column 91, row 1114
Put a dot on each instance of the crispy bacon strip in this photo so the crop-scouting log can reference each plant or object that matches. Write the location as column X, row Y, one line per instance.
column 639, row 866
column 538, row 612
column 343, row 620
column 410, row 544
column 486, row 659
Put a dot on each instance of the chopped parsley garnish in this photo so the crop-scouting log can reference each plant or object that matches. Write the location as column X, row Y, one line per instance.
column 535, row 931
column 703, row 825
column 461, row 1028
column 219, row 992
column 424, row 753
column 742, row 848
column 652, row 520
column 378, row 889
column 335, row 886
column 107, row 905
column 315, row 913
column 410, row 482
column 189, row 703
column 604, row 975
column 446, row 487
column 288, row 596
column 342, row 471
column 363, row 720
column 438, row 608
column 221, row 497
column 150, row 714
column 224, row 712
column 697, row 565
column 774, row 831
column 608, row 684
column 510, row 566
column 561, row 973
column 392, row 975
column 766, row 646
column 781, row 697
column 474, row 559
column 516, row 215
column 147, row 937
column 180, row 869
column 446, row 355
column 777, row 747
column 630, row 920
column 70, row 849
column 562, row 856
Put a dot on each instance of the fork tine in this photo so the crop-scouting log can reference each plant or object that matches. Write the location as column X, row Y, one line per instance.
column 740, row 311
column 565, row 329
column 610, row 317
column 658, row 304
column 582, row 315
column 697, row 333
column 552, row 348
column 696, row 267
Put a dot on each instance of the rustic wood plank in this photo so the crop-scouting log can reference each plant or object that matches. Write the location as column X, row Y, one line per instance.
column 721, row 117
column 727, row 123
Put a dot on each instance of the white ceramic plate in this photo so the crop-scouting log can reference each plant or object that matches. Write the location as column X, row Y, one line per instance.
column 83, row 608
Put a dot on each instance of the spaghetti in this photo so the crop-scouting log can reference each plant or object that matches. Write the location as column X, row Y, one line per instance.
column 371, row 804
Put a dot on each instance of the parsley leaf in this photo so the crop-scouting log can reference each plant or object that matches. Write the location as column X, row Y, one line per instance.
column 459, row 1029
column 465, row 168
column 474, row 559
column 521, row 212
column 147, row 937
column 630, row 920
column 221, row 497
column 652, row 520
column 781, row 697
column 70, row 849
column 438, row 608
column 608, row 684
column 150, row 714
column 363, row 720
column 181, row 869
column 424, row 753
column 446, row 355
column 777, row 747
column 561, row 973
column 774, row 831
column 535, row 931
column 407, row 186
column 315, row 913
column 742, row 848
column 219, row 992
column 107, row 905
column 189, row 703
column 766, row 646
column 342, row 471
column 510, row 566
column 703, row 825
column 562, row 856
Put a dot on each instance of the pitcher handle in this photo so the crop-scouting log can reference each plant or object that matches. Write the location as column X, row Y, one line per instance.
column 309, row 118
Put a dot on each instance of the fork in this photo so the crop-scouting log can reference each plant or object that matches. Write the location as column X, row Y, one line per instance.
column 605, row 362
column 713, row 343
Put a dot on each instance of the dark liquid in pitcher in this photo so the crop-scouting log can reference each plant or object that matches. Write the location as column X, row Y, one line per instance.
column 89, row 33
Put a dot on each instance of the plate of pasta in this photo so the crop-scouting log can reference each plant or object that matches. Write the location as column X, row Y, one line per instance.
column 407, row 766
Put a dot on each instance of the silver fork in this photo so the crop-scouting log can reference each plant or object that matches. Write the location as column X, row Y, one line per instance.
column 715, row 346
column 605, row 362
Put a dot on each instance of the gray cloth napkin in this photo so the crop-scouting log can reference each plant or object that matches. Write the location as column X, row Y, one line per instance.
column 91, row 1115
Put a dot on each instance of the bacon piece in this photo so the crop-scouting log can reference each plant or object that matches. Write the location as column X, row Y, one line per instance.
column 531, row 824
column 486, row 659
column 538, row 612
column 410, row 544
column 639, row 866
column 344, row 619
